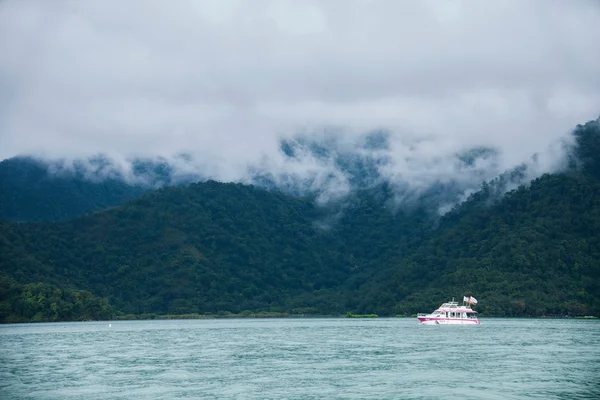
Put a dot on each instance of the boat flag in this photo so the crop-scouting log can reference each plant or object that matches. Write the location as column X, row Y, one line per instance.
column 465, row 299
column 472, row 300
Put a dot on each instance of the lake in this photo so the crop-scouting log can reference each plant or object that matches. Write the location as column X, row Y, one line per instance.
column 329, row 358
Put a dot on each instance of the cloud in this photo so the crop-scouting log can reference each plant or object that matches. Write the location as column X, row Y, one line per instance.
column 227, row 81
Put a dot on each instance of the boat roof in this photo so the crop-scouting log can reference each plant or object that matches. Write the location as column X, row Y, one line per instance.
column 453, row 306
column 461, row 309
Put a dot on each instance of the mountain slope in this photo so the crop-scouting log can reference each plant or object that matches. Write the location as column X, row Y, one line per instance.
column 214, row 247
column 207, row 247
column 535, row 252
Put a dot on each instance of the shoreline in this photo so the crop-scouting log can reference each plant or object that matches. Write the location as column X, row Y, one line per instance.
column 167, row 317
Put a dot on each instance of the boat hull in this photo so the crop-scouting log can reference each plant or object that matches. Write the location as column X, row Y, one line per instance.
column 448, row 321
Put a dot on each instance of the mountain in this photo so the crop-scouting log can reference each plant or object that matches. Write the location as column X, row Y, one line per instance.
column 216, row 247
column 329, row 168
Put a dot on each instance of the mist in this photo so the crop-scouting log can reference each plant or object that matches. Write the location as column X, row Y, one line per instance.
column 313, row 97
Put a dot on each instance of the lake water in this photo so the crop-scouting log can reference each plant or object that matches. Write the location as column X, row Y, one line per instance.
column 301, row 359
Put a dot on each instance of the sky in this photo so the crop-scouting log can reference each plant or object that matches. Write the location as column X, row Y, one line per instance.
column 226, row 80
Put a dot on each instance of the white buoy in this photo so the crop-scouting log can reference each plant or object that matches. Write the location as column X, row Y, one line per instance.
column 110, row 325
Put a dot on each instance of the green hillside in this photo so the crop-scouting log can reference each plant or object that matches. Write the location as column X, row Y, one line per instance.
column 206, row 248
column 215, row 247
column 536, row 252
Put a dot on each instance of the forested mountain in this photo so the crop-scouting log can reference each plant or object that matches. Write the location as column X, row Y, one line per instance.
column 215, row 247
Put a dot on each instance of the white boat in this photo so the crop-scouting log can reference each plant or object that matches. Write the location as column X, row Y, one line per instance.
column 452, row 314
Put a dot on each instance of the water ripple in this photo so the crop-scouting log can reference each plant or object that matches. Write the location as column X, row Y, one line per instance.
column 301, row 359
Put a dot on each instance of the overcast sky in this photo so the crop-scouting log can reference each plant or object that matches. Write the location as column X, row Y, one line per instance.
column 225, row 79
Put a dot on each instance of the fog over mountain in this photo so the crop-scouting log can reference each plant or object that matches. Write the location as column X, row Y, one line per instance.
column 312, row 97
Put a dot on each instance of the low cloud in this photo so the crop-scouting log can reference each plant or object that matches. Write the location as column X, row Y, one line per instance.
column 217, row 89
